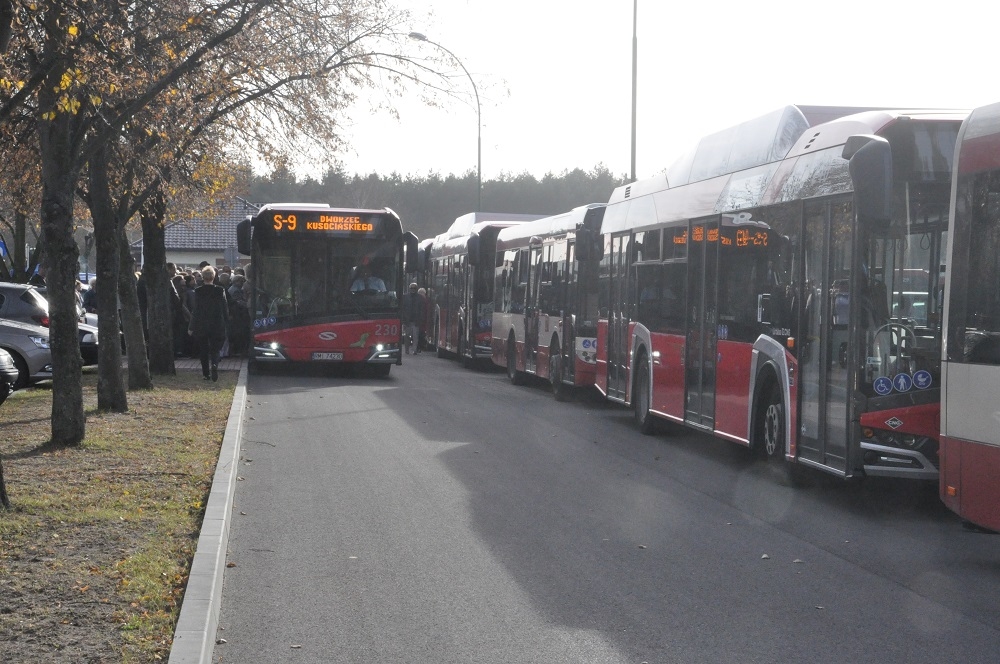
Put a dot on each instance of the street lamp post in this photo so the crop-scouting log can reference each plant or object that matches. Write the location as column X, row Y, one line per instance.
column 635, row 67
column 479, row 119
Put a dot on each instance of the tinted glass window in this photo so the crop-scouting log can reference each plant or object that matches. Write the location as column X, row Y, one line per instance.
column 661, row 296
column 974, row 314
column 757, row 279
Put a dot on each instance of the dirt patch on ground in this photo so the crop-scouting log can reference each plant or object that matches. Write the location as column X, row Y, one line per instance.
column 95, row 552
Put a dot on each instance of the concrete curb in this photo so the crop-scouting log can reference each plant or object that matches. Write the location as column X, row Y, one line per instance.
column 194, row 635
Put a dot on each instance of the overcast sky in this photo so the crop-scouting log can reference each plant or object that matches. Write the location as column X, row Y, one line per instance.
column 554, row 76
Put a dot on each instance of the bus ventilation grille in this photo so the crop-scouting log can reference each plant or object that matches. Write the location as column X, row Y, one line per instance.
column 628, row 191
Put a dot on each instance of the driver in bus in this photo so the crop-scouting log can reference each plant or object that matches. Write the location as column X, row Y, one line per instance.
column 365, row 281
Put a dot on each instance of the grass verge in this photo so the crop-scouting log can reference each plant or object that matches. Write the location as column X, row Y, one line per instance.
column 95, row 552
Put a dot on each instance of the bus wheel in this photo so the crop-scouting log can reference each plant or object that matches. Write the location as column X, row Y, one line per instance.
column 513, row 375
column 772, row 425
column 560, row 390
column 640, row 400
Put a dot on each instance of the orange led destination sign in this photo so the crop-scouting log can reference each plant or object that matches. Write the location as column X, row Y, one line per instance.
column 744, row 237
column 309, row 222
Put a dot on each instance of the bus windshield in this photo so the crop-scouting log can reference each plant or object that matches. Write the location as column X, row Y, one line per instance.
column 303, row 279
column 904, row 276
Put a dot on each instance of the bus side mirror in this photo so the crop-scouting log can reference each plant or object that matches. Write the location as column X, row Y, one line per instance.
column 473, row 250
column 589, row 245
column 243, row 237
column 871, row 171
column 411, row 250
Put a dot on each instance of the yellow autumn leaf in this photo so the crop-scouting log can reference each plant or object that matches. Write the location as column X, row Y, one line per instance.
column 73, row 30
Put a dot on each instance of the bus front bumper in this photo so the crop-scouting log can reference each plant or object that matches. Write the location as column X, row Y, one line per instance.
column 884, row 461
column 273, row 353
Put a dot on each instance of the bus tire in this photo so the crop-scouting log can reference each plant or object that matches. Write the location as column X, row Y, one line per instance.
column 463, row 349
column 770, row 426
column 644, row 419
column 513, row 375
column 560, row 390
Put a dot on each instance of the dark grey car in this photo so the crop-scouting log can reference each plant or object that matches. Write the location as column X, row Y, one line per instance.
column 25, row 303
column 28, row 344
column 8, row 375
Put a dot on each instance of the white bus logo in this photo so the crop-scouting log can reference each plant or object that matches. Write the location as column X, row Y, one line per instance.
column 328, row 336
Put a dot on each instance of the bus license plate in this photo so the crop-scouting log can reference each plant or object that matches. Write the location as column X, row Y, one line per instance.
column 328, row 356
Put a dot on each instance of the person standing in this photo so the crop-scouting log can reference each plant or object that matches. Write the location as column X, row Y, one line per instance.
column 425, row 303
column 413, row 313
column 181, row 314
column 239, row 316
column 209, row 321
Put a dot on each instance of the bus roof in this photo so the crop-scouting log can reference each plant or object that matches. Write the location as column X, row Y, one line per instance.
column 321, row 207
column 756, row 167
column 557, row 224
column 464, row 224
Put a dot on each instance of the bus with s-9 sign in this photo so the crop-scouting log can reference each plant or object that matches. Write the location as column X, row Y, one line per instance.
column 325, row 285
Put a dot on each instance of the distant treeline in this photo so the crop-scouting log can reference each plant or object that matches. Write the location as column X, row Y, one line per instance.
column 428, row 205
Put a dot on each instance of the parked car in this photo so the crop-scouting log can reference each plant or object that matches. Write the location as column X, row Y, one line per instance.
column 8, row 375
column 28, row 345
column 27, row 304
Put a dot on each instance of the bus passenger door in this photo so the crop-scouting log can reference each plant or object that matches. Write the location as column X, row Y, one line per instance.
column 618, row 319
column 531, row 312
column 700, row 354
column 823, row 350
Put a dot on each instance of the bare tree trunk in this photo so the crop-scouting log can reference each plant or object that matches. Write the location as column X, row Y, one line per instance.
column 61, row 258
column 135, row 343
column 111, row 395
column 159, row 312
column 20, row 237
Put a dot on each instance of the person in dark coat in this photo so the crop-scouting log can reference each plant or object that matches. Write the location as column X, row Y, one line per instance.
column 413, row 314
column 209, row 322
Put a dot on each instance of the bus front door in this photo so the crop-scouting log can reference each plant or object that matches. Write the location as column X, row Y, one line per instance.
column 700, row 354
column 618, row 320
column 823, row 348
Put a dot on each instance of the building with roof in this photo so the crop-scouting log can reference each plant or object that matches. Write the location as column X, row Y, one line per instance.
column 210, row 238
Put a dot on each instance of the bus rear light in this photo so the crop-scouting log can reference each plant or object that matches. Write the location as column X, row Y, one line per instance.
column 950, row 491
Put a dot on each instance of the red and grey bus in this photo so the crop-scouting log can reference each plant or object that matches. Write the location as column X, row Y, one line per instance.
column 461, row 263
column 970, row 408
column 545, row 299
column 326, row 285
column 758, row 292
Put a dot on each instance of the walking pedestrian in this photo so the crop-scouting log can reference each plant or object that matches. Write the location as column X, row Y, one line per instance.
column 413, row 314
column 209, row 321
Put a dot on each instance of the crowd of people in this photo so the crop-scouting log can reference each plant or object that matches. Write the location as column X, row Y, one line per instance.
column 194, row 320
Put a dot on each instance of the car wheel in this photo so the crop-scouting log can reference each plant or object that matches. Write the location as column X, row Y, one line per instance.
column 23, row 375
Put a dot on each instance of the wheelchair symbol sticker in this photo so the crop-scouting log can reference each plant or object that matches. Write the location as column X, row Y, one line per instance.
column 883, row 386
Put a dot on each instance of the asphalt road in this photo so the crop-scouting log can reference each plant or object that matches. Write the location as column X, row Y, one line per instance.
column 444, row 515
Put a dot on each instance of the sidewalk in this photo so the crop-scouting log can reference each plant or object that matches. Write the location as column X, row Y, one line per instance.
column 197, row 623
column 194, row 364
